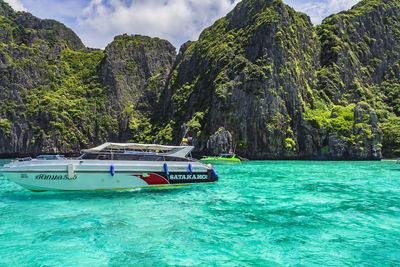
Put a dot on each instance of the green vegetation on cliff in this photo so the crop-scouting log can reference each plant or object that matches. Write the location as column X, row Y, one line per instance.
column 136, row 68
column 360, row 61
column 242, row 73
column 262, row 79
column 57, row 95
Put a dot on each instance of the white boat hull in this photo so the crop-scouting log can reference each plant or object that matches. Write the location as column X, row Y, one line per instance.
column 78, row 175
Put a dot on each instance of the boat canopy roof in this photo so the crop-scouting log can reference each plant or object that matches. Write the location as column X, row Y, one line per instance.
column 177, row 151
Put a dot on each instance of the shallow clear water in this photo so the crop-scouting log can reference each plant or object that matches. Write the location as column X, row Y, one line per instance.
column 263, row 213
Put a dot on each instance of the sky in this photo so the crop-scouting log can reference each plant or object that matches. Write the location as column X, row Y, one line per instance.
column 97, row 21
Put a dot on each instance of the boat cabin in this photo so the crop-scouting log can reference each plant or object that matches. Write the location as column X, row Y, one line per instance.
column 141, row 152
column 227, row 156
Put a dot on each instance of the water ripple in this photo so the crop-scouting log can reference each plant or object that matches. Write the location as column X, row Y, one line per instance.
column 271, row 213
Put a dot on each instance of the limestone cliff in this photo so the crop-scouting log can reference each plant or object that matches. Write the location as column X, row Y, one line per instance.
column 360, row 61
column 250, row 73
column 254, row 74
column 59, row 97
column 135, row 69
column 262, row 80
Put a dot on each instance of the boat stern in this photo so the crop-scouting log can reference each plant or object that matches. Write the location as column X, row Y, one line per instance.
column 212, row 174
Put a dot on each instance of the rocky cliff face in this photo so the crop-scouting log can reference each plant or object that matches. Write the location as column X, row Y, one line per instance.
column 250, row 73
column 262, row 80
column 360, row 61
column 134, row 63
column 360, row 50
column 350, row 133
column 29, row 53
column 59, row 97
column 255, row 74
column 135, row 69
column 23, row 28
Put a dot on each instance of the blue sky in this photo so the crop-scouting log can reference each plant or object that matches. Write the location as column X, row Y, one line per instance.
column 98, row 21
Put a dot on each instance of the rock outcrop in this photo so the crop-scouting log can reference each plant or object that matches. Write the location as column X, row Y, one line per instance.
column 349, row 133
column 249, row 73
column 59, row 97
column 220, row 142
column 135, row 69
column 360, row 61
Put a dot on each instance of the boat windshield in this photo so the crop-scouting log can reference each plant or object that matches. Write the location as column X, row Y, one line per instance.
column 227, row 156
column 50, row 157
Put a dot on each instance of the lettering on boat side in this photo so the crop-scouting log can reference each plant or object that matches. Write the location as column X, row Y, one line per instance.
column 188, row 177
column 54, row 177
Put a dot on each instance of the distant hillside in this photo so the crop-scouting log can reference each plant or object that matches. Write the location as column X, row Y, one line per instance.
column 360, row 61
column 58, row 96
column 255, row 81
column 262, row 80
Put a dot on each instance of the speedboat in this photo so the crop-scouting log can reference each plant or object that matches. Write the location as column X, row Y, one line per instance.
column 111, row 166
column 226, row 159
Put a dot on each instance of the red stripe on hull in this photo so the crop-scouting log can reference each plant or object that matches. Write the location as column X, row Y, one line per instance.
column 152, row 179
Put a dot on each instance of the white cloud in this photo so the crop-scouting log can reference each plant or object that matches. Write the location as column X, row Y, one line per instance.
column 98, row 21
column 174, row 20
column 16, row 5
column 318, row 10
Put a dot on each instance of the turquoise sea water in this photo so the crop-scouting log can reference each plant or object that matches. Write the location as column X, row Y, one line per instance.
column 259, row 213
